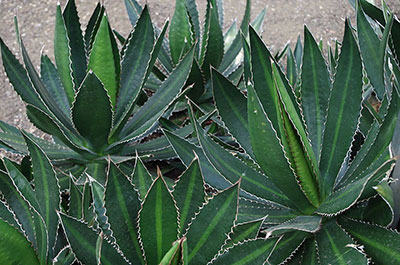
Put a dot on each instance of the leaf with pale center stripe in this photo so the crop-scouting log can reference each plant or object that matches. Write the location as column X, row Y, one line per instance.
column 46, row 189
column 382, row 245
column 315, row 90
column 208, row 230
column 83, row 239
column 244, row 231
column 158, row 222
column 141, row 178
column 189, row 194
column 123, row 204
column 336, row 247
column 344, row 112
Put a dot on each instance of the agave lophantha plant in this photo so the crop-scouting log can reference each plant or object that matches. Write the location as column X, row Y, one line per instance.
column 304, row 161
column 181, row 225
column 86, row 100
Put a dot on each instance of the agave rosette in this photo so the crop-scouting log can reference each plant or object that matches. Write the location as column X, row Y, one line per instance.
column 302, row 164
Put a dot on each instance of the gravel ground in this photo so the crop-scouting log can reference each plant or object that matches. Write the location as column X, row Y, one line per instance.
column 284, row 22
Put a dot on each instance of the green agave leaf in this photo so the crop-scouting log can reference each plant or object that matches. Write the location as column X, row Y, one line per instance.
column 310, row 254
column 62, row 55
column 20, row 207
column 336, row 247
column 83, row 239
column 193, row 13
column 208, row 230
column 343, row 112
column 310, row 224
column 291, row 69
column 376, row 143
column 7, row 215
column 141, row 178
column 18, row 77
column 236, row 46
column 158, row 221
column 286, row 246
column 135, row 63
column 44, row 250
column 229, row 35
column 188, row 151
column 378, row 211
column 214, row 49
column 380, row 244
column 46, row 189
column 250, row 252
column 243, row 232
column 93, row 26
column 315, row 91
column 189, row 194
column 262, row 77
column 180, row 34
column 21, row 183
column 88, row 212
column 123, row 204
column 133, row 8
column 250, row 210
column 51, row 80
column 12, row 244
column 75, row 201
column 263, row 138
column 152, row 110
column 233, row 168
column 373, row 50
column 232, row 108
column 103, row 60
column 76, row 43
column 247, row 74
column 95, row 125
column 98, row 196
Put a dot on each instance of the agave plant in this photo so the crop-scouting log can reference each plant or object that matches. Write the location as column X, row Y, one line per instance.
column 28, row 217
column 160, row 226
column 301, row 164
column 86, row 100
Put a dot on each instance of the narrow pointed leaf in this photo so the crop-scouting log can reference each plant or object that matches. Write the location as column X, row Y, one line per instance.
column 133, row 8
column 250, row 252
column 208, row 230
column 8, row 216
column 315, row 91
column 180, row 34
column 264, row 139
column 135, row 63
column 62, row 54
column 189, row 194
column 141, row 178
column 373, row 51
column 102, row 60
column 336, row 247
column 310, row 254
column 344, row 111
column 232, row 107
column 310, row 224
column 12, row 244
column 75, row 201
column 158, row 222
column 98, row 196
column 53, row 84
column 95, row 125
column 152, row 110
column 93, row 26
column 382, row 245
column 287, row 245
column 78, row 56
column 46, row 189
column 83, row 243
column 123, row 204
column 18, row 77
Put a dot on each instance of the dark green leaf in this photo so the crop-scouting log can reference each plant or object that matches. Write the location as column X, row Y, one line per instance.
column 244, row 232
column 141, row 178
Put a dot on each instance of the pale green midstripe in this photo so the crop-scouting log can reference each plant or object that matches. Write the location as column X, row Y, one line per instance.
column 125, row 213
column 188, row 198
column 338, row 254
column 158, row 218
column 206, row 234
column 253, row 255
column 340, row 114
column 45, row 185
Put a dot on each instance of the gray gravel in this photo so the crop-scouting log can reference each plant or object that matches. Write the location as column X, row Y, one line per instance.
column 284, row 21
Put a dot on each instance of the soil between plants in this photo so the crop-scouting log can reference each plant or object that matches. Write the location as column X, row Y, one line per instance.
column 284, row 22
